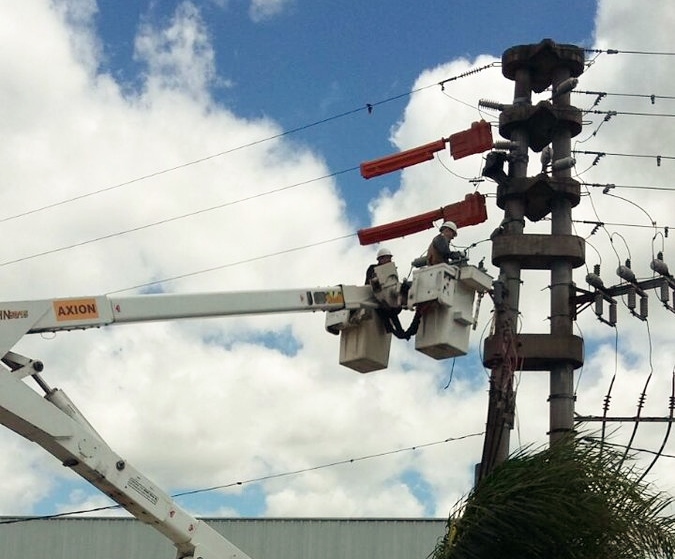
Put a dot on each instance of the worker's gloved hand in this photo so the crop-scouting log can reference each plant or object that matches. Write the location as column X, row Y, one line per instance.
column 457, row 255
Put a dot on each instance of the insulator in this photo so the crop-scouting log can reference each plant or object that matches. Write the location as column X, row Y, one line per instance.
column 632, row 300
column 665, row 293
column 596, row 269
column 612, row 313
column 546, row 155
column 599, row 304
column 565, row 87
column 625, row 273
column 660, row 267
column 487, row 104
column 644, row 306
column 595, row 280
column 564, row 163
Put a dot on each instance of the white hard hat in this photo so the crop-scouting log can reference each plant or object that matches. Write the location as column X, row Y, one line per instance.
column 449, row 225
column 383, row 252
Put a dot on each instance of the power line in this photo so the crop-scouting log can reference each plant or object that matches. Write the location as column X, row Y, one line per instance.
column 635, row 449
column 652, row 97
column 607, row 223
column 600, row 154
column 260, row 479
column 628, row 113
column 232, row 264
column 616, row 51
column 176, row 167
column 611, row 186
column 369, row 107
column 175, row 218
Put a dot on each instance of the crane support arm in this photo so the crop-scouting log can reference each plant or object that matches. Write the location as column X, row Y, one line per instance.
column 54, row 422
column 18, row 318
column 57, row 425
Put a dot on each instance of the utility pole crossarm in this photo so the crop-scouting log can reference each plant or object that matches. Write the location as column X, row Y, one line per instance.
column 623, row 419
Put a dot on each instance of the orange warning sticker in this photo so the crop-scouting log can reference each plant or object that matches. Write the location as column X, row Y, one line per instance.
column 75, row 309
column 334, row 297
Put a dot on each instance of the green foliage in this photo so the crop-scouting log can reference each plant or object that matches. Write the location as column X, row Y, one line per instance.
column 575, row 500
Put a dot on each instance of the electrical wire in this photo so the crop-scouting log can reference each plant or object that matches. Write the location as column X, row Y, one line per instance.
column 176, row 218
column 636, row 449
column 597, row 252
column 638, row 206
column 600, row 154
column 231, row 264
column 666, row 436
column 299, row 128
column 610, row 186
column 259, row 479
column 369, row 107
column 611, row 239
column 616, row 51
column 602, row 224
column 602, row 94
column 611, row 114
column 452, row 373
column 643, row 395
column 176, row 167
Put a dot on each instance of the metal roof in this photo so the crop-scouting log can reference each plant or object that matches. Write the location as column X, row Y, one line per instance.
column 282, row 538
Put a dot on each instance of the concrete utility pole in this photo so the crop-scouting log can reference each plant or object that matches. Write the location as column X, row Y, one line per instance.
column 545, row 127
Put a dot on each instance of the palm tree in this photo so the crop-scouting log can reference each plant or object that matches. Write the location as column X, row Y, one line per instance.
column 577, row 499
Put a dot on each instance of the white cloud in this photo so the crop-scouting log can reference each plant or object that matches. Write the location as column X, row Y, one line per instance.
column 262, row 10
column 433, row 113
column 203, row 403
column 179, row 57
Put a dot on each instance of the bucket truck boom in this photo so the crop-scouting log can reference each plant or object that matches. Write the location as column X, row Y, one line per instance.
column 54, row 422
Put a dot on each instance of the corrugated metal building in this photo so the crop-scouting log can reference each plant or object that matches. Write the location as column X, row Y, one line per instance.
column 282, row 538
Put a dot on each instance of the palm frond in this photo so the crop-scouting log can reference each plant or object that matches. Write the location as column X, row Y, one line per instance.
column 574, row 500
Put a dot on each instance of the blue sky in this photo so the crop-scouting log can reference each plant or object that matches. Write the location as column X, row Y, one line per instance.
column 316, row 60
column 125, row 90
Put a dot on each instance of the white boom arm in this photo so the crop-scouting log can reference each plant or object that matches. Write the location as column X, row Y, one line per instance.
column 18, row 318
column 55, row 423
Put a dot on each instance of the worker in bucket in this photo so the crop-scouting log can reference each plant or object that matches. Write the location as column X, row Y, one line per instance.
column 388, row 312
column 383, row 256
column 440, row 250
